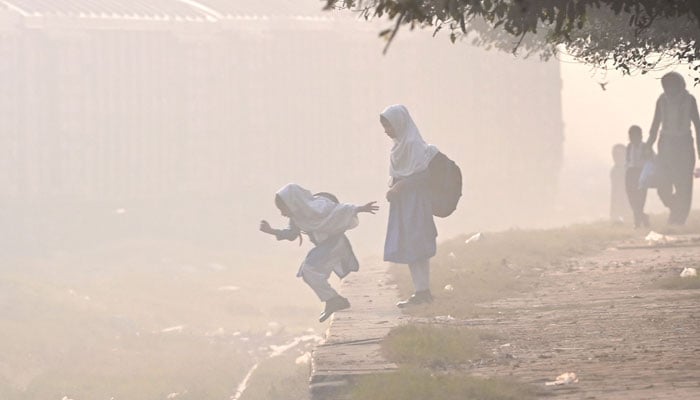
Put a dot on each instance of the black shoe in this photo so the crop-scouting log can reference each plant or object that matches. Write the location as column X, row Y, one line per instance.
column 335, row 304
column 422, row 297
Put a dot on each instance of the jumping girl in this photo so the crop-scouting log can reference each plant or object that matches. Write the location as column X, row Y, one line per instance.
column 325, row 221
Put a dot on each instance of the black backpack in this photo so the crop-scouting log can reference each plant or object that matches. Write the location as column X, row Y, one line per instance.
column 329, row 196
column 445, row 185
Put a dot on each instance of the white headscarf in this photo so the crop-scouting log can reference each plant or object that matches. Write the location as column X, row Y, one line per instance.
column 317, row 215
column 410, row 153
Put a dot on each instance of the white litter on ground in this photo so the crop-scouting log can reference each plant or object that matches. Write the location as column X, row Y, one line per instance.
column 452, row 255
column 689, row 272
column 655, row 238
column 474, row 238
column 177, row 328
column 228, row 288
column 444, row 318
column 218, row 332
column 564, row 379
column 279, row 350
column 217, row 267
column 449, row 288
column 276, row 351
column 303, row 359
column 244, row 383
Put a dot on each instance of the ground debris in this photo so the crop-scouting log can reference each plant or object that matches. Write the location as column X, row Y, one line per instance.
column 563, row 379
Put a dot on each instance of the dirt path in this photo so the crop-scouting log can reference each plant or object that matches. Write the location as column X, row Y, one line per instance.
column 601, row 318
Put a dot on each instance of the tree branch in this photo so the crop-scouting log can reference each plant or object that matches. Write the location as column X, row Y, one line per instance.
column 393, row 32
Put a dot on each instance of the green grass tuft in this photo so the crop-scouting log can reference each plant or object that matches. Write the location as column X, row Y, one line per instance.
column 433, row 345
column 420, row 384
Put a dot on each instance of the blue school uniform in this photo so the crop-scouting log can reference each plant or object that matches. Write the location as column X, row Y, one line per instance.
column 411, row 232
column 335, row 250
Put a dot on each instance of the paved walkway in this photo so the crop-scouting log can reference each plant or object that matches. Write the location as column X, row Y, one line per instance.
column 351, row 346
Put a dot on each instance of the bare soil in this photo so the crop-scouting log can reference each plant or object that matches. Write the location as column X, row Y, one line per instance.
column 605, row 319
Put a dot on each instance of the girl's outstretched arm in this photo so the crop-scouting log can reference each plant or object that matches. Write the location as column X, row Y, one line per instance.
column 291, row 233
column 265, row 227
column 370, row 207
column 655, row 123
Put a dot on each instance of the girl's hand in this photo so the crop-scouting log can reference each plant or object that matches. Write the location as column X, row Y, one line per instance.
column 370, row 207
column 391, row 194
column 394, row 190
column 265, row 227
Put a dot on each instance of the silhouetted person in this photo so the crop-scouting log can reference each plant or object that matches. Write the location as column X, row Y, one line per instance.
column 637, row 154
column 675, row 110
column 325, row 221
column 411, row 231
column 619, row 206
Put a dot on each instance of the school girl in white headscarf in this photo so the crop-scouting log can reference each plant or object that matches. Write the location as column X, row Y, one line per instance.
column 325, row 221
column 411, row 231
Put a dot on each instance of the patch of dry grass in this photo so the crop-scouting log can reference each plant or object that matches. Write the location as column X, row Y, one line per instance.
column 433, row 345
column 421, row 384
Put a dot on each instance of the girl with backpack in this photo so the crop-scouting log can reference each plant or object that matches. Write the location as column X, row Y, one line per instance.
column 325, row 221
column 411, row 231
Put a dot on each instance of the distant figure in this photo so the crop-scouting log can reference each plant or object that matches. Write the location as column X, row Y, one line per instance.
column 411, row 231
column 619, row 206
column 636, row 155
column 325, row 221
column 675, row 110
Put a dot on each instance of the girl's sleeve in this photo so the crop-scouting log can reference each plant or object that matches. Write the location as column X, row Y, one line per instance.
column 695, row 118
column 656, row 122
column 290, row 233
column 418, row 179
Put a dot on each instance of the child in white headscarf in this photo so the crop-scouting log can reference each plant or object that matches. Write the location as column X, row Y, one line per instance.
column 411, row 231
column 325, row 221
